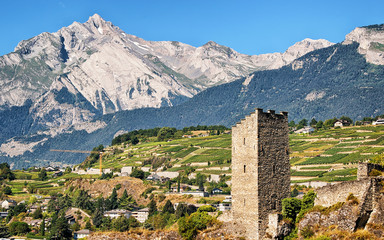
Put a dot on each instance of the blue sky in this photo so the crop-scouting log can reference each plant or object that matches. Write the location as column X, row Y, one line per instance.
column 249, row 27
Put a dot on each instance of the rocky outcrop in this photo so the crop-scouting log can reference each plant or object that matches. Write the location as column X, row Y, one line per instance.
column 356, row 214
column 345, row 218
column 371, row 40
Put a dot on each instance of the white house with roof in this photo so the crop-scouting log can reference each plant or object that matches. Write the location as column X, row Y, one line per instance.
column 305, row 130
column 84, row 233
column 6, row 204
column 126, row 171
column 117, row 213
column 141, row 215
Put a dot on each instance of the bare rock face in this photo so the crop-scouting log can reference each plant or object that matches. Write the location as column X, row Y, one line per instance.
column 371, row 40
column 299, row 49
column 116, row 71
column 345, row 218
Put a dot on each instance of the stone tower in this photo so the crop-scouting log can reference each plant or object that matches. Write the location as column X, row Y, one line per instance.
column 260, row 170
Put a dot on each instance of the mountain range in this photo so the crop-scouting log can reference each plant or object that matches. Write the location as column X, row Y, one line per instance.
column 84, row 84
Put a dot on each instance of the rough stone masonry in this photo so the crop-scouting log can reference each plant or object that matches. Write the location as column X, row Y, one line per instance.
column 260, row 170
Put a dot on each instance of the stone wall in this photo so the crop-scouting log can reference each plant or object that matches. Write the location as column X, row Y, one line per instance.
column 364, row 169
column 260, row 170
column 332, row 194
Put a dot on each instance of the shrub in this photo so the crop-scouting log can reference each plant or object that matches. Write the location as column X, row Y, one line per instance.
column 375, row 173
column 19, row 228
column 307, row 232
column 189, row 226
column 353, row 199
column 291, row 207
column 206, row 208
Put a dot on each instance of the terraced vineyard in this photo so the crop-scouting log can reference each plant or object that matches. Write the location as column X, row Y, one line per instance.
column 332, row 155
column 327, row 155
column 208, row 155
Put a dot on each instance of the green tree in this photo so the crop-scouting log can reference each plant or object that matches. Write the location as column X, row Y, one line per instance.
column 5, row 172
column 42, row 176
column 127, row 201
column 319, row 124
column 42, row 227
column 19, row 228
column 303, row 122
column 7, row 190
column 291, row 207
column 138, row 173
column 88, row 225
column 306, row 204
column 68, row 170
column 292, row 124
column 133, row 223
column 113, row 199
column 166, row 133
column 83, row 201
column 294, row 192
column 106, row 224
column 184, row 210
column 200, row 181
column 16, row 210
column 313, row 122
column 152, row 207
column 61, row 229
column 120, row 224
column 168, row 207
column 97, row 217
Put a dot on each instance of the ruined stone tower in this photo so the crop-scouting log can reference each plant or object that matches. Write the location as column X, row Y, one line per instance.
column 260, row 170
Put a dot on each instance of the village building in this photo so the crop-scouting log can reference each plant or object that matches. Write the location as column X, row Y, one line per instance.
column 341, row 123
column 84, row 233
column 196, row 193
column 305, row 130
column 217, row 191
column 126, row 171
column 6, row 204
column 117, row 213
column 141, row 215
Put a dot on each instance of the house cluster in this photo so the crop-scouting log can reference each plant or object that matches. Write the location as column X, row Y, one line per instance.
column 141, row 215
column 342, row 123
column 57, row 171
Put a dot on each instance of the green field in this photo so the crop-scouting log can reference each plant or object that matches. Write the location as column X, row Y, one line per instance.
column 320, row 152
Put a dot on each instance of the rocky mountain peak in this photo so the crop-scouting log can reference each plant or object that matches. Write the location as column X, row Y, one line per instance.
column 211, row 44
column 97, row 21
column 299, row 49
column 371, row 42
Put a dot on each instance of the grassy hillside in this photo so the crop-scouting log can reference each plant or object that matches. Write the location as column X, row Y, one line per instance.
column 327, row 155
